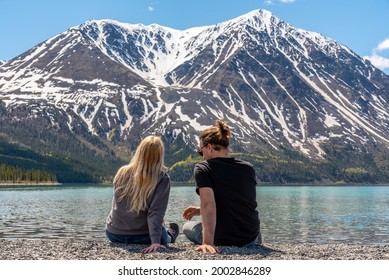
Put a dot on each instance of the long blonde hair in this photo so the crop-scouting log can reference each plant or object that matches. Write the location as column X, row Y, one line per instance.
column 137, row 180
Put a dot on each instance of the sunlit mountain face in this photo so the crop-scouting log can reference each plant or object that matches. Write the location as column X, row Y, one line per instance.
column 104, row 85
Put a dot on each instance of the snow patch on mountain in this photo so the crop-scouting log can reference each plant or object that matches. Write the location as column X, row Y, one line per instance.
column 274, row 83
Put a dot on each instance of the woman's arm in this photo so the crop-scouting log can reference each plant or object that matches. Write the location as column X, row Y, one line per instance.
column 157, row 209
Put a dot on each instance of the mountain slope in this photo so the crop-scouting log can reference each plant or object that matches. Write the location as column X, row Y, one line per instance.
column 106, row 84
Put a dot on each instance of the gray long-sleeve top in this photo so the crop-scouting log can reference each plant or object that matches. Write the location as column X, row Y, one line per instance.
column 149, row 221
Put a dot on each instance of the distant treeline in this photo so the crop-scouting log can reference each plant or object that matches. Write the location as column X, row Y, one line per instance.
column 342, row 165
column 11, row 174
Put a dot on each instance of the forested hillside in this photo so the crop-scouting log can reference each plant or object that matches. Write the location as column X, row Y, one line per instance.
column 64, row 170
column 10, row 174
column 343, row 165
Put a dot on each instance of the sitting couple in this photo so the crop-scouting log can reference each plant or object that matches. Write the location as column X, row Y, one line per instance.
column 227, row 198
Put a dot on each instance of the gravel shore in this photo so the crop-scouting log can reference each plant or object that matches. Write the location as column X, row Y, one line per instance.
column 67, row 249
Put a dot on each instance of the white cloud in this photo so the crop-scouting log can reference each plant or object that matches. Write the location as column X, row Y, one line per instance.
column 384, row 45
column 379, row 61
column 151, row 6
column 378, row 57
column 271, row 2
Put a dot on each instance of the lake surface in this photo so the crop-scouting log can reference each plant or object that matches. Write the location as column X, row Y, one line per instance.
column 288, row 214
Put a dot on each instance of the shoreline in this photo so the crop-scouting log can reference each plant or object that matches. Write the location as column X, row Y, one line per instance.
column 180, row 184
column 174, row 184
column 72, row 249
column 29, row 184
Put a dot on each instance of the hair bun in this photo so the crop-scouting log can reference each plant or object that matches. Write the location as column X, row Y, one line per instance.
column 224, row 129
column 218, row 134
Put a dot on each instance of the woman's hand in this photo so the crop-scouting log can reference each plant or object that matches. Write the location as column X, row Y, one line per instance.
column 190, row 212
column 152, row 248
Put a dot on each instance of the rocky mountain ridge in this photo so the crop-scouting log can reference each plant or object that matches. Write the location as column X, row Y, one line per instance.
column 104, row 85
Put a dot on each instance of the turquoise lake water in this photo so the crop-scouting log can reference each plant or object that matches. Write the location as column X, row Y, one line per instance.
column 288, row 214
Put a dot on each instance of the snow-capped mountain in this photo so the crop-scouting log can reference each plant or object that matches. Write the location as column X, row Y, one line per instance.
column 276, row 85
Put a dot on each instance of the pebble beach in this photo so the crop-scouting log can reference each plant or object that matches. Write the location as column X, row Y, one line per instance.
column 69, row 249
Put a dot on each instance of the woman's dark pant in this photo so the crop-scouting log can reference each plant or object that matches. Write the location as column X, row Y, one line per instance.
column 137, row 238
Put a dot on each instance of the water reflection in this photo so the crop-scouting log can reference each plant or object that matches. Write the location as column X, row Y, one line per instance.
column 288, row 214
column 325, row 214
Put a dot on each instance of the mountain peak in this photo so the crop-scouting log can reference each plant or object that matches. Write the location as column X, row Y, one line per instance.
column 256, row 18
column 277, row 85
column 259, row 14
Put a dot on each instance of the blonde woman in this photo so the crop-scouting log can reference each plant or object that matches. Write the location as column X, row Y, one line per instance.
column 141, row 194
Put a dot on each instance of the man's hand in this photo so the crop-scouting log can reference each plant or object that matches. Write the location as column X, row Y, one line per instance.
column 190, row 212
column 207, row 248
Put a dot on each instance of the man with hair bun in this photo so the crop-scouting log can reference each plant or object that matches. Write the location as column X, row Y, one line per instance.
column 227, row 189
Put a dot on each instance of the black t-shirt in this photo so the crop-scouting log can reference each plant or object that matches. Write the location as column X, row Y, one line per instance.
column 233, row 183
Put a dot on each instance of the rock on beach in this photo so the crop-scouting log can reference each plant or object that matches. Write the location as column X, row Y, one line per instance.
column 70, row 249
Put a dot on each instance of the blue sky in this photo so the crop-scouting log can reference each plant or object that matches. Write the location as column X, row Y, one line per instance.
column 361, row 25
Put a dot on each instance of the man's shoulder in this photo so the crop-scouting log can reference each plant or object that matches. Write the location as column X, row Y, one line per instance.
column 243, row 162
column 204, row 165
column 222, row 162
